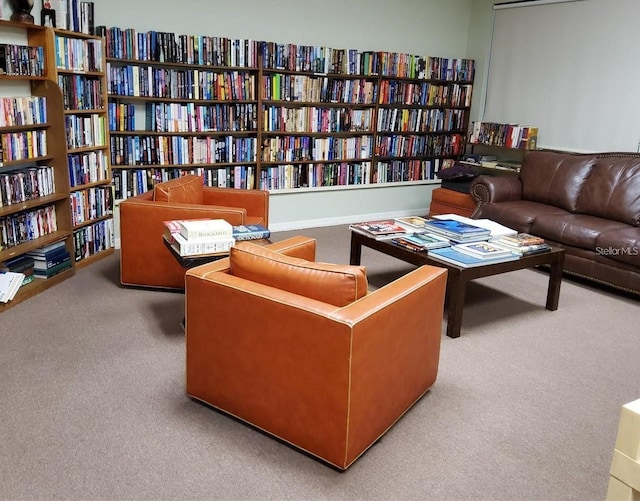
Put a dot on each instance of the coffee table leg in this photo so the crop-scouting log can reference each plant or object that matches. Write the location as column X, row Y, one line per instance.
column 555, row 280
column 356, row 251
column 456, row 290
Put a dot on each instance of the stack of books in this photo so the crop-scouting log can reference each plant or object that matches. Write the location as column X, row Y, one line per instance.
column 50, row 260
column 20, row 264
column 197, row 237
column 524, row 244
column 457, row 231
column 421, row 241
column 10, row 282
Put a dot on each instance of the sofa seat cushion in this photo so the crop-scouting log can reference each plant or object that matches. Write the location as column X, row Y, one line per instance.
column 555, row 179
column 577, row 230
column 183, row 190
column 519, row 214
column 334, row 284
column 613, row 190
column 621, row 244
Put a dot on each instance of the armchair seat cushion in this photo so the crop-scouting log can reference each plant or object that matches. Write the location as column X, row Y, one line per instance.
column 182, row 190
column 335, row 284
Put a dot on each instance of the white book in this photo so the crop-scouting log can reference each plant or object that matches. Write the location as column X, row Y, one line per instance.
column 198, row 230
column 219, row 245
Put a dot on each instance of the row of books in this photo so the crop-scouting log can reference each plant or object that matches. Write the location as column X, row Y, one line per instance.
column 501, row 134
column 290, row 176
column 202, row 237
column 26, row 184
column 23, row 110
column 455, row 239
column 180, row 150
column 127, row 43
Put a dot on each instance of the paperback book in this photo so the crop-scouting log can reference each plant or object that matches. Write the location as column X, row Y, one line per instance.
column 416, row 222
column 427, row 240
column 387, row 228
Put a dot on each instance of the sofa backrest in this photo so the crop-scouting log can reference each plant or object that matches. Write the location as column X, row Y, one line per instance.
column 334, row 284
column 182, row 190
column 612, row 191
column 555, row 178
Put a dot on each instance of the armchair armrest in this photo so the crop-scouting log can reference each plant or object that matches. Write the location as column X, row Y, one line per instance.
column 490, row 189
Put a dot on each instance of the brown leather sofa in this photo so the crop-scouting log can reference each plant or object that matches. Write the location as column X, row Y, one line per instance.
column 144, row 259
column 588, row 204
column 302, row 350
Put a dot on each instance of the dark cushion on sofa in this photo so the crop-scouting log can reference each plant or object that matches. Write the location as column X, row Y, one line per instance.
column 578, row 230
column 612, row 190
column 555, row 179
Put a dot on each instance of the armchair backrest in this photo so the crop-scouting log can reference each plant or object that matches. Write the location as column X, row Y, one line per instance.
column 182, row 190
column 334, row 284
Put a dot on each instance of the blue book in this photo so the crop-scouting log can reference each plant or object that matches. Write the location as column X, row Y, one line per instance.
column 452, row 256
column 455, row 227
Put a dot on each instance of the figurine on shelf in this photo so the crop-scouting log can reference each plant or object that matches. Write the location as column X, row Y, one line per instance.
column 21, row 11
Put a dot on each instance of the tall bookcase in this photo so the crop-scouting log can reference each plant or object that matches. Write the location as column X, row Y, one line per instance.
column 78, row 67
column 281, row 117
column 34, row 158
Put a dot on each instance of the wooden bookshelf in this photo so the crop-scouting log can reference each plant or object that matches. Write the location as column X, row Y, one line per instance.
column 50, row 132
column 78, row 66
column 312, row 118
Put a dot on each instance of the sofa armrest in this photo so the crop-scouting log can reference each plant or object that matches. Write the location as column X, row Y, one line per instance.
column 490, row 189
column 256, row 202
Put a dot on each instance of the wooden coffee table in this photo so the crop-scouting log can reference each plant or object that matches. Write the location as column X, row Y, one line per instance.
column 458, row 277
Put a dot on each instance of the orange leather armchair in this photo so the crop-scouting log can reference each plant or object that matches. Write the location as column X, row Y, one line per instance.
column 303, row 351
column 144, row 259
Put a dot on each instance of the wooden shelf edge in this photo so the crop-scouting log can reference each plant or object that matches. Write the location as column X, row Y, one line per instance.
column 36, row 287
column 93, row 258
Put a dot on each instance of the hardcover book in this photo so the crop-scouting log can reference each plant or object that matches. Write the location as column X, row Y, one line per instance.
column 204, row 229
column 250, row 232
column 521, row 240
column 452, row 256
column 218, row 245
column 482, row 250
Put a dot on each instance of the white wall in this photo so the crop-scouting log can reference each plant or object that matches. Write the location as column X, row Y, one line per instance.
column 425, row 27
